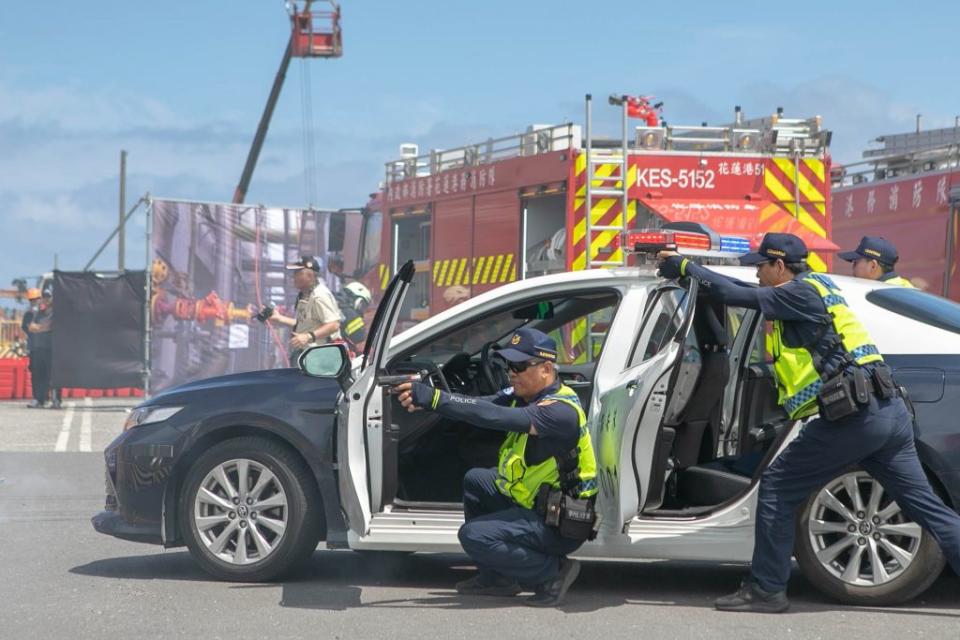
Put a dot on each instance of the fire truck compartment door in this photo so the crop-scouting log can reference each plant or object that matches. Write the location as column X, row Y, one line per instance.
column 360, row 408
column 731, row 217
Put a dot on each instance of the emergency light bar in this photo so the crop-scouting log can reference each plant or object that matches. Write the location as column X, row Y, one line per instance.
column 689, row 239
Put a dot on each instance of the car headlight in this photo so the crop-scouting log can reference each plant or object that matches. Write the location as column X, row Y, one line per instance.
column 149, row 415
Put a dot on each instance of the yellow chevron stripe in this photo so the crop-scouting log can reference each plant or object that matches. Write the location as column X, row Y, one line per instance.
column 597, row 212
column 452, row 271
column 603, row 171
column 443, row 272
column 804, row 218
column 816, row 165
column 579, row 263
column 486, row 270
column 774, row 186
column 384, row 276
column 506, row 268
column 436, row 270
column 477, row 269
column 806, row 187
column 581, row 164
column 496, row 268
column 460, row 269
column 816, row 262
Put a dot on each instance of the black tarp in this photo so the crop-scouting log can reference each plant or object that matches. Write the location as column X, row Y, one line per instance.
column 98, row 329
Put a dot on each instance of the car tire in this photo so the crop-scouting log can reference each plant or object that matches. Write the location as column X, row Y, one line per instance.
column 834, row 529
column 278, row 514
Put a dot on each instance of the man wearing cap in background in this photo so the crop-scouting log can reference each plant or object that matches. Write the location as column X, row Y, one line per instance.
column 40, row 330
column 33, row 297
column 874, row 259
column 318, row 316
column 547, row 447
column 822, row 355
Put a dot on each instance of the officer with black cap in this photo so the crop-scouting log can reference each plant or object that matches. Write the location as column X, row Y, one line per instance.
column 318, row 316
column 547, row 450
column 874, row 259
column 826, row 363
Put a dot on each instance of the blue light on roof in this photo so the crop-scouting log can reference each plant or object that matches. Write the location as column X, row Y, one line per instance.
column 734, row 244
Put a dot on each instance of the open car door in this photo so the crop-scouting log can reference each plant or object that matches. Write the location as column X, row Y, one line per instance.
column 360, row 408
column 631, row 450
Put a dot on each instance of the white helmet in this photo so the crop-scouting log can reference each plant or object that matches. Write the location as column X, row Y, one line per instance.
column 361, row 294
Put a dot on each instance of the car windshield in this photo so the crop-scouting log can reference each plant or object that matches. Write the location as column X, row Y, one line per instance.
column 918, row 305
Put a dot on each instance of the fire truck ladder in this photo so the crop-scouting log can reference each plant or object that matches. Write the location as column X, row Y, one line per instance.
column 603, row 187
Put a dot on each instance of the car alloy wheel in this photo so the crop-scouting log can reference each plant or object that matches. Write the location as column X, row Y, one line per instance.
column 859, row 534
column 240, row 511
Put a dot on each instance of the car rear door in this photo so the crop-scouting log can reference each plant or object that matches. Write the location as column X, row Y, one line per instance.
column 360, row 408
column 639, row 400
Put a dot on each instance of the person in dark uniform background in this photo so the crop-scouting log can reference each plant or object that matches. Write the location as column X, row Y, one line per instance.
column 819, row 343
column 874, row 259
column 503, row 532
column 41, row 354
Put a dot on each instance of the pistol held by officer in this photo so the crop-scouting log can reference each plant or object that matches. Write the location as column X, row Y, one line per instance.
column 827, row 369
column 546, row 454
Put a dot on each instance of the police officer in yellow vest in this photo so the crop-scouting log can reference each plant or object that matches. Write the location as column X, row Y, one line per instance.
column 547, row 452
column 874, row 259
column 826, row 363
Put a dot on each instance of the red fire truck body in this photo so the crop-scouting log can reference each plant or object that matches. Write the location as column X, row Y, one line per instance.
column 480, row 216
column 907, row 191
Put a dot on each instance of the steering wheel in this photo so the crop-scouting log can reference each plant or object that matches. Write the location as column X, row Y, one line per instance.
column 494, row 373
column 434, row 372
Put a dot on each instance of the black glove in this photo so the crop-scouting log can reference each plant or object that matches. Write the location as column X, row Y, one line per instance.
column 423, row 395
column 670, row 268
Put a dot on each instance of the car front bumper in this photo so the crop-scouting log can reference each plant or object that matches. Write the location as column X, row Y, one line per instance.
column 139, row 463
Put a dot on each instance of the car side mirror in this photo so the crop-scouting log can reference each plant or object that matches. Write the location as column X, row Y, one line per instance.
column 326, row 361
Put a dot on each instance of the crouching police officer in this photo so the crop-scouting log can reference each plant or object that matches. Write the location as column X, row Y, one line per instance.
column 824, row 362
column 525, row 516
column 874, row 259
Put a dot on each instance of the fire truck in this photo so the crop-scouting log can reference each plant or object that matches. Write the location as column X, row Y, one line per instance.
column 906, row 189
column 559, row 198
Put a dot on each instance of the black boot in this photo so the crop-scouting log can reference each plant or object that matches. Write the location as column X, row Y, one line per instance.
column 552, row 592
column 750, row 597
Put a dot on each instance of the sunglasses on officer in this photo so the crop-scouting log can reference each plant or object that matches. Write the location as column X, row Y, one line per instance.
column 520, row 367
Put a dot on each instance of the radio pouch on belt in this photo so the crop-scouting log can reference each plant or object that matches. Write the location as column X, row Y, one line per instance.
column 836, row 398
column 883, row 382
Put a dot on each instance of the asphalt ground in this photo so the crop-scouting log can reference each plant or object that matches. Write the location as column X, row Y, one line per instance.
column 61, row 579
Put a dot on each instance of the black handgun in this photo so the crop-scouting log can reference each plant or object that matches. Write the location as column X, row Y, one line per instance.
column 397, row 379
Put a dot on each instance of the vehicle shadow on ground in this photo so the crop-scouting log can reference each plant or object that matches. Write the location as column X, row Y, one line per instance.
column 336, row 580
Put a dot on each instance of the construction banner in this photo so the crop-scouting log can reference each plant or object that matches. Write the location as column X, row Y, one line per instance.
column 98, row 329
column 214, row 267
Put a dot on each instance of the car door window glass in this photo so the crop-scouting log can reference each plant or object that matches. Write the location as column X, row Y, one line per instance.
column 663, row 322
column 578, row 324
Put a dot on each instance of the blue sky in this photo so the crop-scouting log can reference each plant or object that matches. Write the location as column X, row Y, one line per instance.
column 181, row 84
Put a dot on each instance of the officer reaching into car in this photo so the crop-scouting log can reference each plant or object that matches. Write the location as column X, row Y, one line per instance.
column 826, row 363
column 523, row 517
column 874, row 259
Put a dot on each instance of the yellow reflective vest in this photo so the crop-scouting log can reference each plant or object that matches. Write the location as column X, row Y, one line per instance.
column 521, row 483
column 798, row 381
column 900, row 281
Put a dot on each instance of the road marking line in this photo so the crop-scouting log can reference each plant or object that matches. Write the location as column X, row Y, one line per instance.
column 64, row 436
column 86, row 424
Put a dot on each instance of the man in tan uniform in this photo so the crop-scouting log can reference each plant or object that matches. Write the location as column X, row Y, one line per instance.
column 318, row 316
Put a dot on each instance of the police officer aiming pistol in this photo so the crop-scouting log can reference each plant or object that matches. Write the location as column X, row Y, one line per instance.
column 523, row 517
column 825, row 363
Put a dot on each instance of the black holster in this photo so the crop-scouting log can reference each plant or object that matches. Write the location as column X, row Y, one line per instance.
column 846, row 392
column 575, row 518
